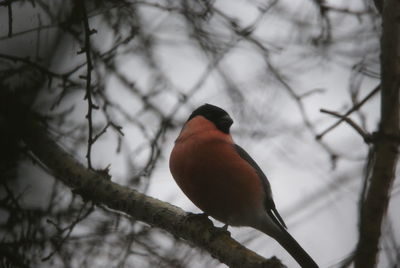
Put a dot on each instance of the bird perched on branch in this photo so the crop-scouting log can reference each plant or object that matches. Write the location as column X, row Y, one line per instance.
column 221, row 178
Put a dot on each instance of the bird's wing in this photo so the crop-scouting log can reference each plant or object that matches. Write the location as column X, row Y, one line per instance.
column 269, row 202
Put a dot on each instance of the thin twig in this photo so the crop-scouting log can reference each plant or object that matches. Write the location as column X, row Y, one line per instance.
column 113, row 125
column 366, row 136
column 89, row 67
column 98, row 135
column 27, row 61
column 354, row 108
column 69, row 228
column 346, row 10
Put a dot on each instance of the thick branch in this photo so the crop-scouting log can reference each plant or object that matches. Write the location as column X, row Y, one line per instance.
column 386, row 146
column 98, row 188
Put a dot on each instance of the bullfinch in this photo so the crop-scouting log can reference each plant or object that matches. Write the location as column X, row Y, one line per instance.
column 221, row 179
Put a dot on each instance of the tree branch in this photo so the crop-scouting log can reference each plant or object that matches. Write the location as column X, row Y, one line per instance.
column 366, row 136
column 352, row 109
column 97, row 187
column 386, row 147
column 87, row 49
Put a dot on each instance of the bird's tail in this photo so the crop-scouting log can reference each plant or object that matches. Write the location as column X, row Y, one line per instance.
column 295, row 250
column 290, row 244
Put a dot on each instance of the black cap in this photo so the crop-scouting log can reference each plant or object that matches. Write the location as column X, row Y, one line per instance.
column 218, row 116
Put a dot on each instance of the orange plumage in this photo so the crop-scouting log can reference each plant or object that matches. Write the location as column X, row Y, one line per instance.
column 206, row 168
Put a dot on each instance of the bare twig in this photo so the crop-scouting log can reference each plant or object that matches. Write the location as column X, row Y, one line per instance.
column 69, row 229
column 350, row 111
column 312, row 92
column 113, row 125
column 366, row 136
column 38, row 37
column 37, row 66
column 346, row 10
column 87, row 49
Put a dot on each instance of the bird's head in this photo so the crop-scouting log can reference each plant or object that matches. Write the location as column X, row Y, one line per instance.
column 219, row 117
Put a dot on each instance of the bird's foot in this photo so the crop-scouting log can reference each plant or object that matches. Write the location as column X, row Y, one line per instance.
column 218, row 232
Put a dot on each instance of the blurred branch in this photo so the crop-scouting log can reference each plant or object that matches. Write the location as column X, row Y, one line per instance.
column 11, row 258
column 386, row 143
column 10, row 18
column 27, row 61
column 69, row 229
column 299, row 99
column 97, row 187
column 379, row 5
column 345, row 10
column 352, row 109
column 246, row 34
column 366, row 136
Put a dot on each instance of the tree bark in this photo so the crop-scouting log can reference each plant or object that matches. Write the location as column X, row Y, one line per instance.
column 386, row 141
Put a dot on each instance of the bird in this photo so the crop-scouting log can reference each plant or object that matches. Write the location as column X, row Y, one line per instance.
column 223, row 181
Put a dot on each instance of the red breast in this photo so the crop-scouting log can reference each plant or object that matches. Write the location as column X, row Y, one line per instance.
column 214, row 177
